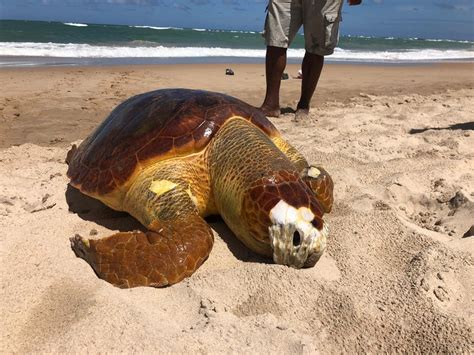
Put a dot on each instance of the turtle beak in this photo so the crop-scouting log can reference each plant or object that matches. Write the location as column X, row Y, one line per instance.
column 297, row 245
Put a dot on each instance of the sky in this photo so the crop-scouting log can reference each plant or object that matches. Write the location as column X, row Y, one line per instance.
column 448, row 19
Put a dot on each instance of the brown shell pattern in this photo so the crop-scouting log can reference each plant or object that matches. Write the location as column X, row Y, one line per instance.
column 158, row 124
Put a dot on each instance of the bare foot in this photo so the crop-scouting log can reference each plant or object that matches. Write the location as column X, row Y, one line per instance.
column 269, row 112
column 301, row 114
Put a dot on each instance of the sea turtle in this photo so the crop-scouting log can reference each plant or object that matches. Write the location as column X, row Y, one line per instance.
column 170, row 158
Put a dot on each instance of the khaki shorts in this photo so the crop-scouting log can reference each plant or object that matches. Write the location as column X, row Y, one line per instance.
column 320, row 20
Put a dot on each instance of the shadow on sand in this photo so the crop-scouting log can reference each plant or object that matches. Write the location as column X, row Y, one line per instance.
column 236, row 247
column 90, row 209
column 288, row 109
column 465, row 126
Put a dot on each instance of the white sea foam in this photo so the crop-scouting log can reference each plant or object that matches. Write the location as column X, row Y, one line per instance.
column 448, row 40
column 412, row 39
column 235, row 31
column 359, row 36
column 417, row 55
column 70, row 50
column 158, row 28
column 75, row 24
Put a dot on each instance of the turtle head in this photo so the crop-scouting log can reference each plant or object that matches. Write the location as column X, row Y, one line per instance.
column 283, row 212
column 297, row 235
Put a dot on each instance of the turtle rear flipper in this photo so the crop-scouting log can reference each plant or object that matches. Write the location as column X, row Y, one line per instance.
column 160, row 257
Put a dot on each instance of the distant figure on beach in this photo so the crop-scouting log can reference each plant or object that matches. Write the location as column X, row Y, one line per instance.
column 320, row 20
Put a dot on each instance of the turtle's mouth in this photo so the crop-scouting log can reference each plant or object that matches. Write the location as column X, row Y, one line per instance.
column 295, row 247
column 295, row 239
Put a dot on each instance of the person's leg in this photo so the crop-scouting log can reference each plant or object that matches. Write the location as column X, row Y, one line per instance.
column 321, row 28
column 283, row 20
column 275, row 63
column 311, row 68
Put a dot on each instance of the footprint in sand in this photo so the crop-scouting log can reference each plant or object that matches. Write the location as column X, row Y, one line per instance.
column 10, row 108
column 442, row 207
column 436, row 274
column 6, row 204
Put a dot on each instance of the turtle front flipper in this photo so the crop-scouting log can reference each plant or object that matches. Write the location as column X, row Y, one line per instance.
column 291, row 152
column 318, row 179
column 160, row 257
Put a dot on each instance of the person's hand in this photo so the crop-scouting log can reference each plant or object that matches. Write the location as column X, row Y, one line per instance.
column 354, row 2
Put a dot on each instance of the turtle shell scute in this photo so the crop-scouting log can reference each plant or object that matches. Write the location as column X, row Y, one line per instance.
column 152, row 126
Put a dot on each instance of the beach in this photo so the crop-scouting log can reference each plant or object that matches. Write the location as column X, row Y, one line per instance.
column 397, row 275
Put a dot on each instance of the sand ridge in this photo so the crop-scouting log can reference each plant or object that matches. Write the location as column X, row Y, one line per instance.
column 396, row 277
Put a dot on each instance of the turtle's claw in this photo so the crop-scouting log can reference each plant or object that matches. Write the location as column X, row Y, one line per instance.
column 80, row 246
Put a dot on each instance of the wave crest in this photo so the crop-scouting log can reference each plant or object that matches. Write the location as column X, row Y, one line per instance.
column 75, row 24
column 145, row 50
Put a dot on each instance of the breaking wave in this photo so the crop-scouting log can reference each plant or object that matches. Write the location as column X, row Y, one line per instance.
column 75, row 24
column 71, row 50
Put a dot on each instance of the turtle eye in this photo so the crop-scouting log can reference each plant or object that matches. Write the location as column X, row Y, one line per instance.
column 317, row 223
column 296, row 238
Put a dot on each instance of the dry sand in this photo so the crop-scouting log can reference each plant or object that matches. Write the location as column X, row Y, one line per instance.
column 397, row 275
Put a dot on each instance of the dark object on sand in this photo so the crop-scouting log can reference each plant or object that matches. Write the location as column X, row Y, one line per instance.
column 229, row 72
column 458, row 200
column 284, row 76
column 469, row 233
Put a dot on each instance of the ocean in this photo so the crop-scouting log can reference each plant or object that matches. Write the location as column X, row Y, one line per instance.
column 29, row 43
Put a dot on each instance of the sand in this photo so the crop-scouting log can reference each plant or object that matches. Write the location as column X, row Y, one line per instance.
column 397, row 275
